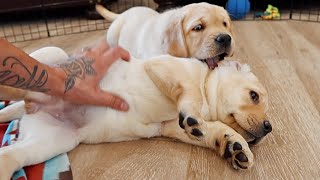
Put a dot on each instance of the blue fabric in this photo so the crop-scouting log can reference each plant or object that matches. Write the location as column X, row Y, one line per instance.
column 52, row 167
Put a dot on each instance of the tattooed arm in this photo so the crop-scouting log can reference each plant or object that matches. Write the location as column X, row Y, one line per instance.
column 76, row 81
column 19, row 70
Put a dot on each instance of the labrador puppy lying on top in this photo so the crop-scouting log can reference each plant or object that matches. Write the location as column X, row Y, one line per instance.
column 222, row 109
column 202, row 31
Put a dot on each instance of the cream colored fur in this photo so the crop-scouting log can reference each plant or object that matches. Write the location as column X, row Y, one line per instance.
column 146, row 33
column 157, row 90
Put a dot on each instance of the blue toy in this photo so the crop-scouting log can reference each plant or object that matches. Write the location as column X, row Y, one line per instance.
column 238, row 8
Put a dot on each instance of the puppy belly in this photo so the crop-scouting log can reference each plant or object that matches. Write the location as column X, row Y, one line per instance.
column 42, row 124
column 118, row 131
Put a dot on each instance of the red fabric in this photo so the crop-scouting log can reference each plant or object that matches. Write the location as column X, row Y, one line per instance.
column 34, row 172
column 3, row 128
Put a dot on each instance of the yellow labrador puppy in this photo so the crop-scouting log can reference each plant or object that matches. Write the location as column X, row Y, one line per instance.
column 221, row 109
column 202, row 31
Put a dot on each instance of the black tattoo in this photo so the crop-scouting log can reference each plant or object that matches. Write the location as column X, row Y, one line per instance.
column 77, row 68
column 34, row 80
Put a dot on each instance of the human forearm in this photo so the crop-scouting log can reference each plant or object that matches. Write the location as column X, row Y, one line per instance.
column 76, row 80
column 19, row 70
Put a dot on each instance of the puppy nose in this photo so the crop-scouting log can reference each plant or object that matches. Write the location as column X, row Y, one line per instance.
column 267, row 128
column 223, row 39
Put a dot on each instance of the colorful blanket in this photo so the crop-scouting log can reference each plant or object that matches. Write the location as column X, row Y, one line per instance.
column 57, row 168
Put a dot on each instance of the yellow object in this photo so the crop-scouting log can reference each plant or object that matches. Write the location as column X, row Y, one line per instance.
column 271, row 13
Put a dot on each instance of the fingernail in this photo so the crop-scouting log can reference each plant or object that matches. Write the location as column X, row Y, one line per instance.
column 124, row 106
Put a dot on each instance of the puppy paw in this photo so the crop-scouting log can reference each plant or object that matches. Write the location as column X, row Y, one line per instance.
column 31, row 107
column 7, row 166
column 237, row 151
column 192, row 126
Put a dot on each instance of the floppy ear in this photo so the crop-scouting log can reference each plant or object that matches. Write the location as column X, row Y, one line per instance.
column 174, row 39
column 172, row 76
column 166, row 78
column 183, row 81
column 231, row 28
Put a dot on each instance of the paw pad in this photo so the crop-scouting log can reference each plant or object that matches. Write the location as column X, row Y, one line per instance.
column 240, row 166
column 227, row 153
column 241, row 157
column 196, row 132
column 191, row 121
column 237, row 146
column 181, row 118
column 237, row 155
column 191, row 126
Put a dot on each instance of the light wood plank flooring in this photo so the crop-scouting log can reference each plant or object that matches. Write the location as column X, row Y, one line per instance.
column 285, row 56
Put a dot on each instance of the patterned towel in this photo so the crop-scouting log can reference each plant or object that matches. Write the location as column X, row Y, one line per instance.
column 57, row 168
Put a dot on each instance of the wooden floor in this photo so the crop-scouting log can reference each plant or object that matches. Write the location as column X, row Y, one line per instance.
column 286, row 58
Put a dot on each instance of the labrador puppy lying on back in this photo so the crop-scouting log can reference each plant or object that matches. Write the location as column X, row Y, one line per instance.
column 202, row 31
column 221, row 109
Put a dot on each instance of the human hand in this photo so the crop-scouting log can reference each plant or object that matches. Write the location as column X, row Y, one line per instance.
column 82, row 77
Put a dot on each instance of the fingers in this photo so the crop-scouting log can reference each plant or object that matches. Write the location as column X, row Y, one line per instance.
column 112, row 101
column 112, row 55
column 101, row 47
column 124, row 54
column 116, row 53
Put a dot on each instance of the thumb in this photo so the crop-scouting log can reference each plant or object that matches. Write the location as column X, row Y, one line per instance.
column 115, row 102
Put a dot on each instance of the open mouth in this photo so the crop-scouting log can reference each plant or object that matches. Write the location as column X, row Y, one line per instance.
column 213, row 61
column 250, row 138
column 255, row 140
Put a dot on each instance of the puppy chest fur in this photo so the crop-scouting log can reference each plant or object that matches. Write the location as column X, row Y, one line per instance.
column 148, row 108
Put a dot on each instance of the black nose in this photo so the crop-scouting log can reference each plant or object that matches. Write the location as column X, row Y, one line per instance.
column 267, row 128
column 223, row 39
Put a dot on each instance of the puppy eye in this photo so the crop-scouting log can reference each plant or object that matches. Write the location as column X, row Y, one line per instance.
column 198, row 27
column 225, row 24
column 254, row 96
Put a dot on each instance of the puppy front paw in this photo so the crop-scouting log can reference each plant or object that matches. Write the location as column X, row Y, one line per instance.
column 7, row 166
column 192, row 126
column 237, row 151
column 31, row 107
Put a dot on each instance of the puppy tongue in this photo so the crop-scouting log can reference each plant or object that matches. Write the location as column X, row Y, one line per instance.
column 212, row 62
